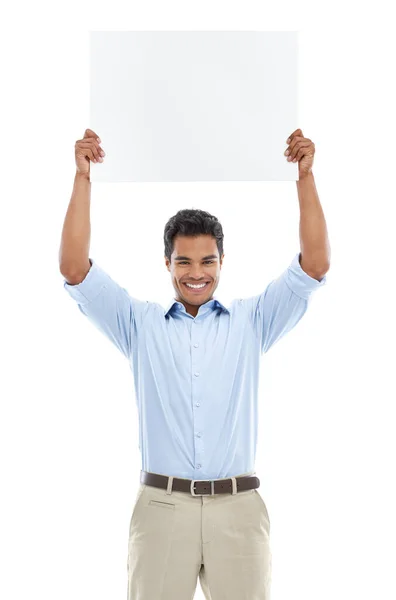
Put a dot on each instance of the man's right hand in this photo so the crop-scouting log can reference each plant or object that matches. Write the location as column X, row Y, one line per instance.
column 86, row 150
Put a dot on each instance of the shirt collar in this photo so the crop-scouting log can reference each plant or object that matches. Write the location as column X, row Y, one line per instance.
column 211, row 304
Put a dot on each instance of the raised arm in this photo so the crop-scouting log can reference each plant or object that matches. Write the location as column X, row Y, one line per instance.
column 282, row 304
column 74, row 249
column 101, row 299
column 314, row 241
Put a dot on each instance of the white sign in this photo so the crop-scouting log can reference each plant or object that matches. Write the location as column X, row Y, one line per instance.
column 193, row 105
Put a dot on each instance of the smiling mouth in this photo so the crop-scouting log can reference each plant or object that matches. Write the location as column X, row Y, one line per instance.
column 197, row 290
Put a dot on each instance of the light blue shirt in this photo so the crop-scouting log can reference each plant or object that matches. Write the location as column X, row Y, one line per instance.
column 196, row 379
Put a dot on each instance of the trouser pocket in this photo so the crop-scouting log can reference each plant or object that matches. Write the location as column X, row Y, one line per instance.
column 263, row 505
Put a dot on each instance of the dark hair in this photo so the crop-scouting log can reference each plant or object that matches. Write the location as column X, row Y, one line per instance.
column 192, row 222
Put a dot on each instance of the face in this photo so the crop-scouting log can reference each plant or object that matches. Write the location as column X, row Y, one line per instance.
column 194, row 260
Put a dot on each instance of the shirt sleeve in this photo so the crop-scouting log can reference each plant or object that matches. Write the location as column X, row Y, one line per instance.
column 109, row 307
column 278, row 309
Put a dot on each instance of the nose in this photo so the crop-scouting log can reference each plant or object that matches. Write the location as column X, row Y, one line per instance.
column 196, row 272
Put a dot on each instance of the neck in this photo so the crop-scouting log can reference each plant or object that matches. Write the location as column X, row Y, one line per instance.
column 192, row 309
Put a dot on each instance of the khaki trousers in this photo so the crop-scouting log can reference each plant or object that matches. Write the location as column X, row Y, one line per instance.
column 176, row 538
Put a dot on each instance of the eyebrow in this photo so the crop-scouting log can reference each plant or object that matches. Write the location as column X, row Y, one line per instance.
column 187, row 258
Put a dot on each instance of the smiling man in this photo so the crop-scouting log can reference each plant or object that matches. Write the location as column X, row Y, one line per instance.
column 198, row 512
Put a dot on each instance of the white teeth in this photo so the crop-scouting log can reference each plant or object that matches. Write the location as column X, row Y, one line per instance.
column 196, row 287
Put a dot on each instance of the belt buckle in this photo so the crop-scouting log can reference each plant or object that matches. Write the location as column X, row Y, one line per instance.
column 192, row 488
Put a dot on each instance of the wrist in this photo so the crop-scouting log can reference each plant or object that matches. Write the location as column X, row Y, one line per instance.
column 81, row 175
column 308, row 175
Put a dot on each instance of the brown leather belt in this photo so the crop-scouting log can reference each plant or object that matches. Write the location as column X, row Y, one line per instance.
column 199, row 487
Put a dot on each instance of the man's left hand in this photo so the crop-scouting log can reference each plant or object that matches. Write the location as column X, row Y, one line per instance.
column 300, row 149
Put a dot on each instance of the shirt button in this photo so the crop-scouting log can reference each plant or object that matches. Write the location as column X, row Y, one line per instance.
column 196, row 374
column 196, row 345
column 199, row 466
column 199, row 434
column 197, row 404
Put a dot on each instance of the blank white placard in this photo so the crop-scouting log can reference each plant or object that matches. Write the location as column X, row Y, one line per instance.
column 193, row 105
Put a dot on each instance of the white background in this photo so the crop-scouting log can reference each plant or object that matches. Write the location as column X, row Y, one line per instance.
column 68, row 423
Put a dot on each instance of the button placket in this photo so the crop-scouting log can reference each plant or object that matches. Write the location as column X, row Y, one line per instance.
column 197, row 414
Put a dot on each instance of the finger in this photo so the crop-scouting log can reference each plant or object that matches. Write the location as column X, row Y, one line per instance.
column 297, row 140
column 89, row 149
column 303, row 144
column 87, row 153
column 300, row 154
column 90, row 140
column 90, row 133
column 293, row 143
column 291, row 137
column 94, row 146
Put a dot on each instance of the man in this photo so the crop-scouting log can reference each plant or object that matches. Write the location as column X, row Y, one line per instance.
column 198, row 512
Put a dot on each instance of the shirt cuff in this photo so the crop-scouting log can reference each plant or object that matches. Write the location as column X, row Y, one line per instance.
column 299, row 281
column 90, row 287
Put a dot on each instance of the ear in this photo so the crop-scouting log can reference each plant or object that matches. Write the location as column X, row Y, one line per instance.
column 167, row 263
column 221, row 260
